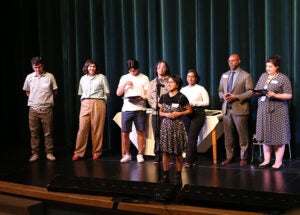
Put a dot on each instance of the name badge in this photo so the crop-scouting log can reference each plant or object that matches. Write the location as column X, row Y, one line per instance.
column 175, row 105
column 225, row 76
column 274, row 82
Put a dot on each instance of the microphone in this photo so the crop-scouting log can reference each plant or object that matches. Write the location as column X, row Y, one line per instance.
column 158, row 84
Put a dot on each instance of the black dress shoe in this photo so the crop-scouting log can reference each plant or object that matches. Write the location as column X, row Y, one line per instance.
column 165, row 179
column 157, row 159
column 277, row 168
column 263, row 166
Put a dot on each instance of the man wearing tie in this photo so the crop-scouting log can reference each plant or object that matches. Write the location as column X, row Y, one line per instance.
column 234, row 93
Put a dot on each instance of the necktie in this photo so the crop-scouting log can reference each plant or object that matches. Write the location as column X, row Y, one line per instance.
column 229, row 89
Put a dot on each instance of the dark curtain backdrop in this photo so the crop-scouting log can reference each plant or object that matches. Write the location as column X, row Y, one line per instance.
column 187, row 34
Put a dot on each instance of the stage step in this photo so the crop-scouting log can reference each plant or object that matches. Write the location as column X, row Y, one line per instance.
column 121, row 189
column 18, row 205
column 237, row 198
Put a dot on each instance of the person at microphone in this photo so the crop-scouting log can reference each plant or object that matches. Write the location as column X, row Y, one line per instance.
column 173, row 136
column 157, row 87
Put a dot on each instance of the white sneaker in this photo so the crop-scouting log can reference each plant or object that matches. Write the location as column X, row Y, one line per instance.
column 51, row 157
column 140, row 158
column 126, row 158
column 34, row 158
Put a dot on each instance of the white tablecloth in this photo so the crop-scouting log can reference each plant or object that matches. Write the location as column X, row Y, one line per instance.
column 213, row 120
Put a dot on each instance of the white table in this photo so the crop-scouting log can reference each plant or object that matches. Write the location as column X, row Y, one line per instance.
column 210, row 132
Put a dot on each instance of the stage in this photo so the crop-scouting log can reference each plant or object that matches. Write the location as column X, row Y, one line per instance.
column 207, row 188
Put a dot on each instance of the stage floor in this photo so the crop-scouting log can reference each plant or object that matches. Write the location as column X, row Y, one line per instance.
column 229, row 179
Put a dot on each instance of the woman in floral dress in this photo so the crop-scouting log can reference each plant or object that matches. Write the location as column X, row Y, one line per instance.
column 173, row 137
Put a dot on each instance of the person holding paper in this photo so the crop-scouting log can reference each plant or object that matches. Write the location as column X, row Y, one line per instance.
column 273, row 122
column 235, row 94
column 133, row 86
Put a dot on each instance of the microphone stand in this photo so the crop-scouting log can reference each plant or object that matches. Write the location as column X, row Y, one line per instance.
column 157, row 127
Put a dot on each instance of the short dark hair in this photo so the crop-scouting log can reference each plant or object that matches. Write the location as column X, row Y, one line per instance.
column 37, row 60
column 177, row 80
column 132, row 63
column 275, row 60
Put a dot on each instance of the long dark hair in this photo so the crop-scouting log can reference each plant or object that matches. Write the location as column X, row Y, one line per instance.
column 159, row 62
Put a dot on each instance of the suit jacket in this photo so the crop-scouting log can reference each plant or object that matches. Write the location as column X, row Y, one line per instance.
column 241, row 86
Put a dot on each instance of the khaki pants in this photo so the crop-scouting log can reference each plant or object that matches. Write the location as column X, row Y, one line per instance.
column 91, row 121
column 41, row 119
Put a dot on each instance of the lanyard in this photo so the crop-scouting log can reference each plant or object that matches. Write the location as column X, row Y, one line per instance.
column 269, row 79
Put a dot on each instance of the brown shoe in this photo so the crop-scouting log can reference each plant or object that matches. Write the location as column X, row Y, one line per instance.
column 226, row 161
column 243, row 162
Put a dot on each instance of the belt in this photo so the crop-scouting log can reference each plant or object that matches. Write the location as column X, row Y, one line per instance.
column 197, row 108
column 92, row 99
column 40, row 109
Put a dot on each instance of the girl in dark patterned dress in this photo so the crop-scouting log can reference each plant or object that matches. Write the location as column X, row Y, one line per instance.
column 173, row 136
column 273, row 124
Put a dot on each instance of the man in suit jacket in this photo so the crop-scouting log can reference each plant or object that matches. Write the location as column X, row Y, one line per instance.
column 235, row 94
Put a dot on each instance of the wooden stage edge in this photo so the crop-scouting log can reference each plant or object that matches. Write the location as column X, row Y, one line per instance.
column 42, row 194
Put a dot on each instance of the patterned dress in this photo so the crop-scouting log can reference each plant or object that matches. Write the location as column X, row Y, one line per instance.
column 273, row 123
column 173, row 136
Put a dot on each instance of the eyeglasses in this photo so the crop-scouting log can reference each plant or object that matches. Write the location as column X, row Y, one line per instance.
column 171, row 82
